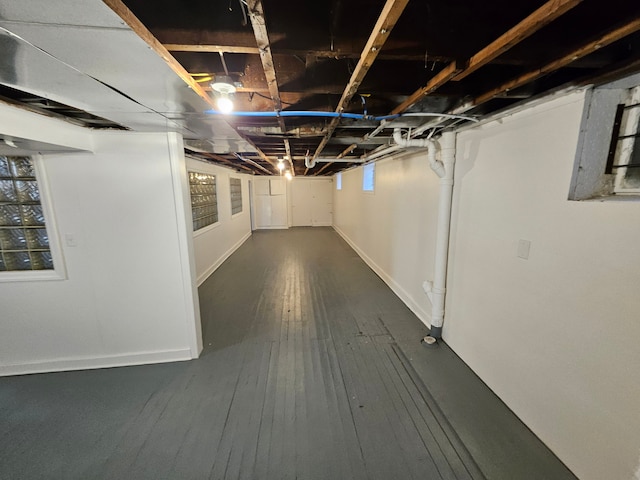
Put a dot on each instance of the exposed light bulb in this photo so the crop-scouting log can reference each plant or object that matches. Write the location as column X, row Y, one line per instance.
column 224, row 103
column 280, row 165
column 288, row 175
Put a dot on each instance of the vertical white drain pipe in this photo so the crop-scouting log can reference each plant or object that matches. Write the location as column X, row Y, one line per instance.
column 448, row 158
column 436, row 290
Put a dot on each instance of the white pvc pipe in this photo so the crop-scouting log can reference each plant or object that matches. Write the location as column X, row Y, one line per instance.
column 436, row 290
column 309, row 162
column 436, row 166
column 448, row 158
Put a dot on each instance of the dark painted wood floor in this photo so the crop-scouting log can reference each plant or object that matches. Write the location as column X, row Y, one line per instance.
column 312, row 369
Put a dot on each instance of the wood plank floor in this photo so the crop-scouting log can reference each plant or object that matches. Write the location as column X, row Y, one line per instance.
column 312, row 369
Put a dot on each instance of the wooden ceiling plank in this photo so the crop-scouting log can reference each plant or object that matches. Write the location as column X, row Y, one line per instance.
column 590, row 47
column 439, row 79
column 527, row 27
column 240, row 47
column 379, row 35
column 181, row 47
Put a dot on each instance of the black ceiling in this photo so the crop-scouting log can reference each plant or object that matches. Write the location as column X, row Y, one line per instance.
column 316, row 46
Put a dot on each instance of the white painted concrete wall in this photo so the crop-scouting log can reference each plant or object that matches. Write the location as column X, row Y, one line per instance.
column 310, row 201
column 125, row 299
column 215, row 243
column 270, row 202
column 555, row 336
column 391, row 228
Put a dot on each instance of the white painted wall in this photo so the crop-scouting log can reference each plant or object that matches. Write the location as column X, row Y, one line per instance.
column 555, row 336
column 215, row 243
column 311, row 201
column 126, row 298
column 391, row 228
column 270, row 202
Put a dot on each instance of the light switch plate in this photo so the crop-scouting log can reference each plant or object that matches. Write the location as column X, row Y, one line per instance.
column 71, row 240
column 524, row 246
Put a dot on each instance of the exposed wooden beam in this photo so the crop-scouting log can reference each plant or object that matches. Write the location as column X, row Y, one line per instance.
column 287, row 148
column 259, row 24
column 590, row 47
column 335, row 54
column 439, row 79
column 137, row 26
column 183, row 47
column 538, row 19
column 527, row 27
column 379, row 35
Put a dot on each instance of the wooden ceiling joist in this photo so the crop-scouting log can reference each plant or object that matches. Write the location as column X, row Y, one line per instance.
column 379, row 35
column 534, row 22
column 183, row 47
column 259, row 24
column 335, row 54
column 544, row 15
column 583, row 50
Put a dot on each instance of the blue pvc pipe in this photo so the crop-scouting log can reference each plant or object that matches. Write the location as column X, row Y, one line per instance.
column 304, row 113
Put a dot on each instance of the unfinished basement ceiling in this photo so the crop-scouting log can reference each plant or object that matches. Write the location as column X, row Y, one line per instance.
column 377, row 58
column 146, row 66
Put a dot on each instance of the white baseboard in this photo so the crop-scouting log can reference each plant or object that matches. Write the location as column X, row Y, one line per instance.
column 90, row 363
column 200, row 280
column 274, row 227
column 402, row 294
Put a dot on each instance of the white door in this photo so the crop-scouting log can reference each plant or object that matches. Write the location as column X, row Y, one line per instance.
column 322, row 207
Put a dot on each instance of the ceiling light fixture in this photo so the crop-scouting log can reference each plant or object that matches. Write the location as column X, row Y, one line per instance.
column 224, row 87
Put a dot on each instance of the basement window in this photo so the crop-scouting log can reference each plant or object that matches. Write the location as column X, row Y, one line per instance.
column 26, row 252
column 235, row 185
column 607, row 164
column 339, row 181
column 624, row 152
column 204, row 200
column 368, row 177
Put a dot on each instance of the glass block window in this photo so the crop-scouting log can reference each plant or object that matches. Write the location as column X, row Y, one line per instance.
column 236, row 195
column 24, row 242
column 204, row 200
